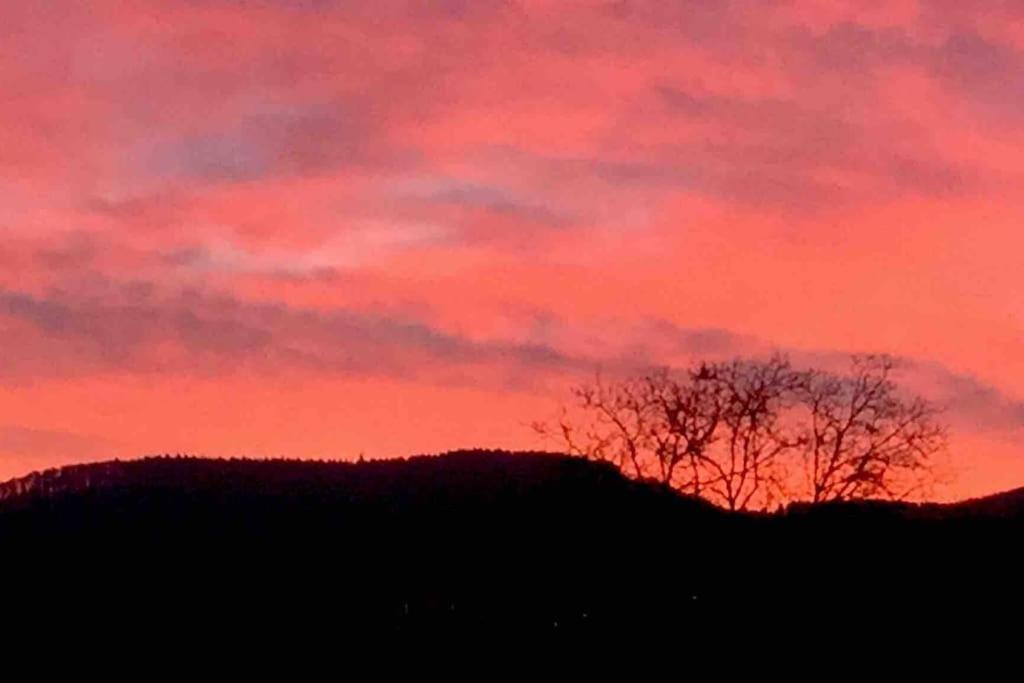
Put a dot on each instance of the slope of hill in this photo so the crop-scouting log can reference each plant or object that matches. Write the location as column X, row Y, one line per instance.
column 474, row 539
column 1008, row 505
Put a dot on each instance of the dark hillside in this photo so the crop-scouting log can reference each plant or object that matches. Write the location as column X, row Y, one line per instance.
column 476, row 539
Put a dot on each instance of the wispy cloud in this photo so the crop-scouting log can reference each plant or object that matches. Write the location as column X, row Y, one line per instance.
column 506, row 194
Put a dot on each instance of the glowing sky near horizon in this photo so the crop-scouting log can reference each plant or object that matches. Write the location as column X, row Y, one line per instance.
column 325, row 228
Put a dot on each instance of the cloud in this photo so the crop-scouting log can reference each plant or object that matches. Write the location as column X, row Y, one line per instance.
column 137, row 331
column 271, row 139
column 507, row 193
column 491, row 199
column 975, row 406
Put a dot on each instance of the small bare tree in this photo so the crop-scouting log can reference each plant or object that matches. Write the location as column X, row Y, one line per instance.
column 758, row 400
column 863, row 439
column 689, row 411
column 650, row 427
column 619, row 429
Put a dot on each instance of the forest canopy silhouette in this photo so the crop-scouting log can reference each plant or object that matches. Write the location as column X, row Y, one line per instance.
column 757, row 433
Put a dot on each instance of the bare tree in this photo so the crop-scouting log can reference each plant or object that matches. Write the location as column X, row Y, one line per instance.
column 862, row 438
column 714, row 431
column 650, row 427
column 737, row 433
column 619, row 427
column 758, row 397
column 688, row 413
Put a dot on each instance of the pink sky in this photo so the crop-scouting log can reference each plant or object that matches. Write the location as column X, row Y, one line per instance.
column 325, row 228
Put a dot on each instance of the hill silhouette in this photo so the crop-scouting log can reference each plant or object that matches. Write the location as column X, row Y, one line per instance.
column 478, row 539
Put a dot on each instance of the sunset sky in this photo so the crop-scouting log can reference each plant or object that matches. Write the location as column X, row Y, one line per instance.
column 325, row 228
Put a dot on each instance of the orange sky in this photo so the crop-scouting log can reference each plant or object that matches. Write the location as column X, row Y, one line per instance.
column 324, row 228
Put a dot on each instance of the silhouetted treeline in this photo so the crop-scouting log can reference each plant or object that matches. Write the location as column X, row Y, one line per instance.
column 477, row 539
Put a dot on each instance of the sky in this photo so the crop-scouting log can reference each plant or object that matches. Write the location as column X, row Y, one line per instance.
column 322, row 228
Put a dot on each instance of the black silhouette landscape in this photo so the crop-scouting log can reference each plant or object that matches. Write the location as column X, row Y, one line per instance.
column 480, row 539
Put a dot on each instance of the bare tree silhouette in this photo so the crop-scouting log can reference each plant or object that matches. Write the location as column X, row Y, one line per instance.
column 757, row 435
column 651, row 427
column 862, row 439
column 740, row 433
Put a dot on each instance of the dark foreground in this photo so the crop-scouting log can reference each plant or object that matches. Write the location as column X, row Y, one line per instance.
column 478, row 541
